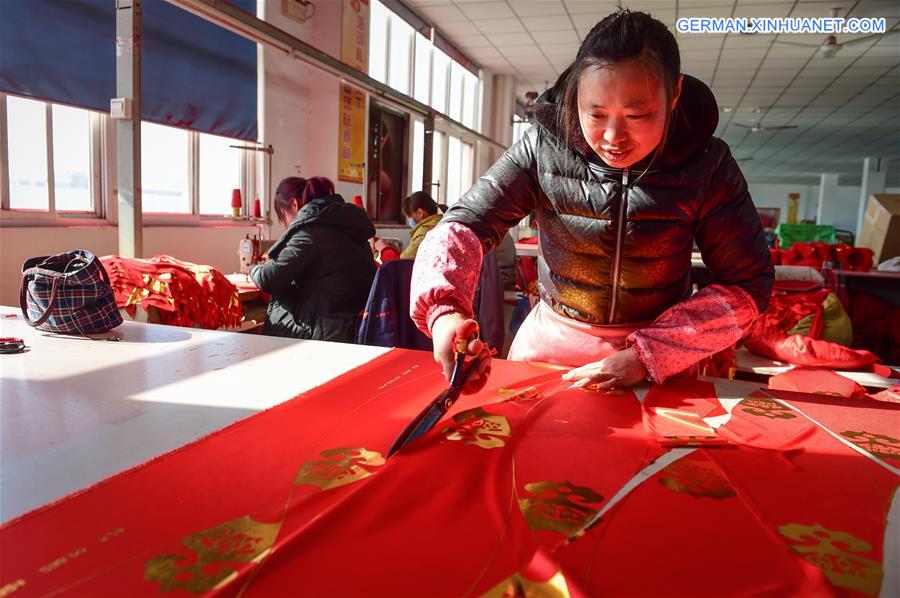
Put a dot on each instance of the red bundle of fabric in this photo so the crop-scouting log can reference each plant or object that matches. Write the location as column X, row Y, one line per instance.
column 769, row 335
column 183, row 293
column 858, row 259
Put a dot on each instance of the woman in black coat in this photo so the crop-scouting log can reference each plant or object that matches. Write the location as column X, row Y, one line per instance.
column 320, row 271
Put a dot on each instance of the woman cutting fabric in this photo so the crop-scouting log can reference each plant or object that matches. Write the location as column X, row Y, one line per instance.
column 624, row 176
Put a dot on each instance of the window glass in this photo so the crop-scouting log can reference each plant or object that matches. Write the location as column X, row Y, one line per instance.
column 437, row 173
column 422, row 77
column 378, row 41
column 418, row 156
column 454, row 110
column 439, row 80
column 470, row 99
column 467, row 173
column 220, row 173
column 27, row 139
column 164, row 169
column 453, row 170
column 401, row 47
column 72, row 159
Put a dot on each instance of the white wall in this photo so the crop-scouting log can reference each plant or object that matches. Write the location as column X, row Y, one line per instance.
column 845, row 208
column 301, row 103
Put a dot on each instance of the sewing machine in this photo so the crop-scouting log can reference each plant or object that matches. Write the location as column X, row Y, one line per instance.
column 250, row 251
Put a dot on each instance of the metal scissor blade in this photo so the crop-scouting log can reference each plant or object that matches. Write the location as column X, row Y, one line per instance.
column 426, row 420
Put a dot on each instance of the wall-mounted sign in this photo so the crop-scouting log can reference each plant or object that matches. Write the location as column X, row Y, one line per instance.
column 352, row 141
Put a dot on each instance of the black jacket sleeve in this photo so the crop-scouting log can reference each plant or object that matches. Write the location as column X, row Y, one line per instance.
column 278, row 273
column 502, row 196
column 730, row 236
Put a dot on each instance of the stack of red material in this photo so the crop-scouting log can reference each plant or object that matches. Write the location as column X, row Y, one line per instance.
column 184, row 294
column 769, row 335
column 529, row 487
column 859, row 259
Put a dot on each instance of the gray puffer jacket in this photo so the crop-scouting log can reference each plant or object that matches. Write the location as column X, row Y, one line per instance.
column 615, row 247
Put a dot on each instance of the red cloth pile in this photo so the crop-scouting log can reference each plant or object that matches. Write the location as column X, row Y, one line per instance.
column 184, row 294
column 769, row 335
column 858, row 259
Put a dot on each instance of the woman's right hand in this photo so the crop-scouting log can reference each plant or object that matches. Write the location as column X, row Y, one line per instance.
column 443, row 333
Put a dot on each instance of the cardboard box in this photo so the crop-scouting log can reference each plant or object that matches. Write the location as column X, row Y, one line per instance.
column 881, row 226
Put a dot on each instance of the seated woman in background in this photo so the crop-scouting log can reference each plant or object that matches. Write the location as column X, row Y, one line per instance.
column 422, row 215
column 319, row 272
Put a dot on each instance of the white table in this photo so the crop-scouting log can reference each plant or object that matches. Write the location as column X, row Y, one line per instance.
column 75, row 411
column 756, row 364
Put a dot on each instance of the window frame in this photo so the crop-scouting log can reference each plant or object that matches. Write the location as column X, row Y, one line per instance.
column 103, row 183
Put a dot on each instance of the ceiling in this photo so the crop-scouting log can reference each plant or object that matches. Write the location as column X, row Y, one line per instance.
column 845, row 108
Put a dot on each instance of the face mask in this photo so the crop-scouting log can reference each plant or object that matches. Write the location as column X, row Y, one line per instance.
column 411, row 222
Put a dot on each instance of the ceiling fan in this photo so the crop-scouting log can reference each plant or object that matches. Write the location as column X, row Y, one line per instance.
column 757, row 127
column 830, row 46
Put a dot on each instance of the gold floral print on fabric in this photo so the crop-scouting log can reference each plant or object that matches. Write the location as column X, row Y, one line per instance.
column 213, row 556
column 341, row 466
column 559, row 506
column 838, row 554
column 518, row 394
column 700, row 479
column 480, row 428
column 761, row 405
column 879, row 445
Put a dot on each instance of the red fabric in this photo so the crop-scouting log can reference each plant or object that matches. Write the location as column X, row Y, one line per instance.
column 768, row 336
column 817, row 380
column 859, row 259
column 299, row 496
column 703, row 520
column 184, row 294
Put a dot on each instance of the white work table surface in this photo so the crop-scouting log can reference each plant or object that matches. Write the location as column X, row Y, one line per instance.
column 74, row 411
column 756, row 364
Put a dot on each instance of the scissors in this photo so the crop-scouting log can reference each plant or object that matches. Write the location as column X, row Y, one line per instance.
column 436, row 409
column 11, row 344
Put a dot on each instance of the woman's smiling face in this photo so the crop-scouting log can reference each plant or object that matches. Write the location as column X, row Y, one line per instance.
column 622, row 111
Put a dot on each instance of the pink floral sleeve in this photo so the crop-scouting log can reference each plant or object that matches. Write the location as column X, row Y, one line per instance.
column 445, row 274
column 711, row 320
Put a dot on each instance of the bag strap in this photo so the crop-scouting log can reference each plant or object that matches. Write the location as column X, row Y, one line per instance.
column 23, row 303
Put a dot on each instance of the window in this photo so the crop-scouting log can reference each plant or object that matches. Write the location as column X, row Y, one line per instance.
column 400, row 53
column 378, row 40
column 471, row 94
column 439, row 74
column 55, row 165
column 418, row 156
column 219, row 173
column 453, row 171
column 457, row 81
column 27, row 151
column 422, row 76
column 437, row 167
column 164, row 169
column 72, row 159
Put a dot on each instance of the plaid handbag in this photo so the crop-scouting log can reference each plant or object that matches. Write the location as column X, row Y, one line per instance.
column 68, row 293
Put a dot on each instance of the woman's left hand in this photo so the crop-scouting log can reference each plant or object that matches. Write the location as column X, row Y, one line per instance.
column 616, row 371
